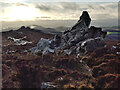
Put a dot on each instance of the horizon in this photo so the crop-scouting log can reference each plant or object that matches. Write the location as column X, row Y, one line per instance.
column 53, row 24
column 24, row 13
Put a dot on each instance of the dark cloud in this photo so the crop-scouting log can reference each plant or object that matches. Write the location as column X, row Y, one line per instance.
column 101, row 7
column 21, row 4
column 101, row 16
column 73, row 9
column 5, row 4
column 90, row 7
column 113, row 5
column 45, row 17
column 59, row 7
column 43, row 7
column 105, row 22
column 67, row 7
column 42, row 17
column 83, row 9
column 70, row 6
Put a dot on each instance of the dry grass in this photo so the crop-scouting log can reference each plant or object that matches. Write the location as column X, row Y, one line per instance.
column 27, row 70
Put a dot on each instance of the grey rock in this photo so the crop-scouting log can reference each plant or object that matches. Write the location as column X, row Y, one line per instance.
column 94, row 32
column 19, row 41
column 47, row 85
column 85, row 18
column 35, row 49
column 90, row 45
column 77, row 32
column 47, row 50
column 70, row 51
column 56, row 41
column 43, row 45
column 10, row 52
column 67, row 52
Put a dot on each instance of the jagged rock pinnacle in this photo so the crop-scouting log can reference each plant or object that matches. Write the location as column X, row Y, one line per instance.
column 84, row 18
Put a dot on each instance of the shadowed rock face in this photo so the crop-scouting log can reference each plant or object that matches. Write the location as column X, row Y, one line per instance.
column 96, row 32
column 81, row 34
column 84, row 18
column 76, row 34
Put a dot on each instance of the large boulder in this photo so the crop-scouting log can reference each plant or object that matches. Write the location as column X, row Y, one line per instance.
column 94, row 32
column 90, row 45
column 43, row 46
column 43, row 43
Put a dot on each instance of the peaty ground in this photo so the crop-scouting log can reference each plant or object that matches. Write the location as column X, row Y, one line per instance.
column 20, row 69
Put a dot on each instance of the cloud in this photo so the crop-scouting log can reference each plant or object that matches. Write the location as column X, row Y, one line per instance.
column 102, row 14
column 70, row 5
column 65, row 10
column 43, row 7
column 42, row 17
column 7, row 4
column 72, row 10
column 58, row 6
column 21, row 4
column 101, row 7
column 90, row 6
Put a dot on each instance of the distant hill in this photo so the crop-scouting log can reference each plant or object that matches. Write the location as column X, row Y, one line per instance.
column 113, row 36
column 111, row 28
column 113, row 33
column 56, row 30
column 62, row 28
column 45, row 30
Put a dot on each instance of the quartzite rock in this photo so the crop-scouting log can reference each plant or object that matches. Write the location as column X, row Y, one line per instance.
column 90, row 45
column 85, row 18
column 79, row 39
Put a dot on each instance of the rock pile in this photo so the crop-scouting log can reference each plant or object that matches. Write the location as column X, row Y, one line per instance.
column 80, row 38
column 43, row 46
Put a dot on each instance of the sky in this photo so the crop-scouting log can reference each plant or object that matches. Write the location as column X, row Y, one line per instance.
column 100, row 11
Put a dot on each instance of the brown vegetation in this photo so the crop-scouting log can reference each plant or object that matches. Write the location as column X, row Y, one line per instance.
column 105, row 64
column 28, row 70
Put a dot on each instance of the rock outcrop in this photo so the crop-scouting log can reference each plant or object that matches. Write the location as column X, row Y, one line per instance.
column 85, row 18
column 19, row 41
column 80, row 38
